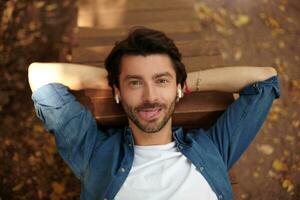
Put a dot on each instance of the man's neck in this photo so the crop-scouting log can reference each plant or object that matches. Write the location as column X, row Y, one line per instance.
column 164, row 136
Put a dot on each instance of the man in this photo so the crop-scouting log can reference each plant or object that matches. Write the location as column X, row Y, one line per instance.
column 150, row 159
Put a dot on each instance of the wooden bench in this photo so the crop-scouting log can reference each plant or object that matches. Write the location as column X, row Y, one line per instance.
column 103, row 22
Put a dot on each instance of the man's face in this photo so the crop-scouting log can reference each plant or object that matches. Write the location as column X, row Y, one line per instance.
column 148, row 90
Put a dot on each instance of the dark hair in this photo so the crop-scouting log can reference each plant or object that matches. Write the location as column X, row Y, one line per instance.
column 143, row 41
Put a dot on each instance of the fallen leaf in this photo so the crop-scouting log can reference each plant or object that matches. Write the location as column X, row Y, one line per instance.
column 286, row 153
column 288, row 185
column 276, row 140
column 279, row 166
column 51, row 7
column 296, row 123
column 241, row 20
column 58, row 188
column 223, row 30
column 18, row 187
column 290, row 138
column 281, row 7
column 39, row 4
column 281, row 44
column 238, row 54
column 255, row 174
column 265, row 149
column 272, row 23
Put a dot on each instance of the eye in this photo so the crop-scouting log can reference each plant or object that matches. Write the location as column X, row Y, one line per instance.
column 135, row 83
column 162, row 81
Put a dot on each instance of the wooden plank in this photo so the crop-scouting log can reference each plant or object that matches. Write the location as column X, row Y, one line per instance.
column 109, row 40
column 209, row 106
column 131, row 5
column 134, row 18
column 191, row 63
column 180, row 26
column 202, row 62
column 187, row 48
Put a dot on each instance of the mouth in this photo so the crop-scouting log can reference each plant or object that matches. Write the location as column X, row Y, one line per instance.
column 149, row 114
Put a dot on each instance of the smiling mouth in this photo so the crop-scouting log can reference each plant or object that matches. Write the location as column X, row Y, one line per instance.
column 149, row 114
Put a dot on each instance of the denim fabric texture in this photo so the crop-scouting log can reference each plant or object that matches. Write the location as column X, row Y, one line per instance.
column 102, row 158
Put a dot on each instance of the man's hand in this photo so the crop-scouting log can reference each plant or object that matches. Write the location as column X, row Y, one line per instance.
column 75, row 76
column 228, row 79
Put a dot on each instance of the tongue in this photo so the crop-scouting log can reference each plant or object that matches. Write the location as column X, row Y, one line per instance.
column 147, row 115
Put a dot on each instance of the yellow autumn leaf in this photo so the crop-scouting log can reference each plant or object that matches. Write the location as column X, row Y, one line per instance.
column 271, row 22
column 241, row 20
column 51, row 7
column 238, row 54
column 32, row 26
column 255, row 174
column 296, row 123
column 281, row 7
column 288, row 185
column 281, row 44
column 39, row 4
column 265, row 149
column 290, row 138
column 18, row 187
column 203, row 11
column 223, row 30
column 279, row 166
column 286, row 153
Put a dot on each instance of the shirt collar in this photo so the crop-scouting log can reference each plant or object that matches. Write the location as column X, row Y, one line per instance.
column 176, row 131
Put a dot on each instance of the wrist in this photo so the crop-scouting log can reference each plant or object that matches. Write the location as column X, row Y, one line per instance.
column 193, row 82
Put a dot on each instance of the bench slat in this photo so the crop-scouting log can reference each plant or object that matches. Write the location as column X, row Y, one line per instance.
column 191, row 63
column 133, row 18
column 180, row 26
column 187, row 113
column 187, row 48
column 130, row 5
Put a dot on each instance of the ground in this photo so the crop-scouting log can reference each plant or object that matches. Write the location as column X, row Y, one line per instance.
column 253, row 33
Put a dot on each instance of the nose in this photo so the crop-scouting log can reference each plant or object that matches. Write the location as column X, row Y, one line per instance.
column 150, row 93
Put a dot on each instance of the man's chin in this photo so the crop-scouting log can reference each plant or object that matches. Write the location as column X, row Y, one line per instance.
column 151, row 126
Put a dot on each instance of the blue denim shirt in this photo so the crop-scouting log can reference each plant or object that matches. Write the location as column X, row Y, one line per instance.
column 102, row 158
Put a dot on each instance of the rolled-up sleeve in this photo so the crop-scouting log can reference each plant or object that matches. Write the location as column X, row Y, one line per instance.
column 73, row 125
column 238, row 125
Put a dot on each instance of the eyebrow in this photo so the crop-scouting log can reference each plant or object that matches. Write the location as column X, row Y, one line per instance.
column 155, row 76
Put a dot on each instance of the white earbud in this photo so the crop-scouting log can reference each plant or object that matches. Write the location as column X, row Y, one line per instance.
column 117, row 99
column 179, row 94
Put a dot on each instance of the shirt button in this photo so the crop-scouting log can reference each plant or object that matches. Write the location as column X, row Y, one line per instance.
column 201, row 169
column 220, row 197
column 130, row 145
column 122, row 169
column 105, row 199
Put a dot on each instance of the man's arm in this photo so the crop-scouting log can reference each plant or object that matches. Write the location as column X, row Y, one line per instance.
column 228, row 79
column 241, row 121
column 73, row 125
column 75, row 76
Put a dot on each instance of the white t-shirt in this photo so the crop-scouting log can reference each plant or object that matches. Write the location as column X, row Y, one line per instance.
column 161, row 172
